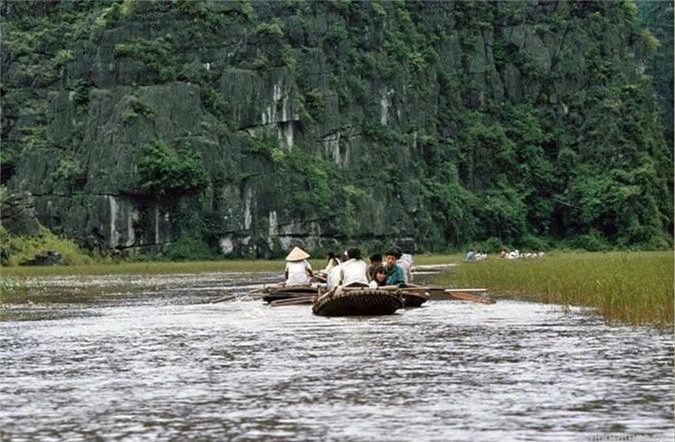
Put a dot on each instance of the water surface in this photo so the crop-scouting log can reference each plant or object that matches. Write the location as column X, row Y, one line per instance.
column 160, row 362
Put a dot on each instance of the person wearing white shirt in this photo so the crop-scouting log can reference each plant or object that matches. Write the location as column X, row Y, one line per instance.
column 298, row 270
column 354, row 271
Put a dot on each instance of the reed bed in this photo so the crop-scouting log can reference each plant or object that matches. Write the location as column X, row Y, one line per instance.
column 624, row 287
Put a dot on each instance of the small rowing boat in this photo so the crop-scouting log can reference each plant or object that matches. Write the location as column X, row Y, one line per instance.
column 358, row 301
column 470, row 294
column 479, row 295
column 431, row 268
column 277, row 292
column 414, row 298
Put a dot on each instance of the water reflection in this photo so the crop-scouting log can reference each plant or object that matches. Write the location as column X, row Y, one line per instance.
column 172, row 366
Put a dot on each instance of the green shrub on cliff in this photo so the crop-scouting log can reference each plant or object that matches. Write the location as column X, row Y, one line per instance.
column 171, row 172
column 23, row 248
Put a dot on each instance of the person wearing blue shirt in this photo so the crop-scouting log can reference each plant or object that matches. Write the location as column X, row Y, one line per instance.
column 395, row 275
column 470, row 255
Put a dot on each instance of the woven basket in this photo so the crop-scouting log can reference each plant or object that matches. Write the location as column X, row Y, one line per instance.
column 358, row 302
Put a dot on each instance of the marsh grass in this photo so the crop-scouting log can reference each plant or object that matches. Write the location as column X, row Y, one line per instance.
column 626, row 287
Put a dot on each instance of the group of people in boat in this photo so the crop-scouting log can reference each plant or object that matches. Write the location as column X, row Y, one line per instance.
column 392, row 268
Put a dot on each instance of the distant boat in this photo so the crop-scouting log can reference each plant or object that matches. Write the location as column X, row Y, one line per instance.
column 431, row 268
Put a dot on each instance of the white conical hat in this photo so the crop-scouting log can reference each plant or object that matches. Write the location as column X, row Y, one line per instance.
column 297, row 254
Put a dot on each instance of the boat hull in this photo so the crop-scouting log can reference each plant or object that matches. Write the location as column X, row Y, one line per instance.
column 414, row 299
column 358, row 302
column 276, row 293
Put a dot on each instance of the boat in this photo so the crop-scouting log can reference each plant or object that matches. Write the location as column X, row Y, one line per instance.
column 277, row 292
column 414, row 298
column 431, row 268
column 479, row 295
column 358, row 301
column 470, row 294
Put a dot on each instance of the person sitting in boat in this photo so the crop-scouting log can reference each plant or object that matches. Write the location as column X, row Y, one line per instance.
column 323, row 275
column 470, row 255
column 395, row 274
column 331, row 261
column 375, row 263
column 379, row 277
column 354, row 271
column 404, row 263
column 333, row 275
column 298, row 270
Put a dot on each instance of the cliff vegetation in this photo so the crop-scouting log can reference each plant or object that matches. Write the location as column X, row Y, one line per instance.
column 243, row 128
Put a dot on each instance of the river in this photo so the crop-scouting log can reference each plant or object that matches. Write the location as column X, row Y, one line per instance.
column 159, row 361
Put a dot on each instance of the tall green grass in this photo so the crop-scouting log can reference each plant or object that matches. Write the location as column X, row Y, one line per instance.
column 627, row 287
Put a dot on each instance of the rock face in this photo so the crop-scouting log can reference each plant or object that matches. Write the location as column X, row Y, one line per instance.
column 315, row 122
column 18, row 215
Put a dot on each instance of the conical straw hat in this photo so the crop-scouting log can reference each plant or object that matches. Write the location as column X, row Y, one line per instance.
column 297, row 254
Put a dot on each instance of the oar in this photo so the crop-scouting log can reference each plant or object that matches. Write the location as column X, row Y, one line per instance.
column 389, row 287
column 468, row 295
column 293, row 301
column 414, row 289
column 319, row 277
column 224, row 298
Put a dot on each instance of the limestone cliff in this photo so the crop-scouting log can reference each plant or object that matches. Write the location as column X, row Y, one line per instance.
column 319, row 122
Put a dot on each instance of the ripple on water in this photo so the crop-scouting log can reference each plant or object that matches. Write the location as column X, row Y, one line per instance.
column 169, row 365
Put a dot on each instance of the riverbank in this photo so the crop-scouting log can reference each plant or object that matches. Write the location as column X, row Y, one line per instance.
column 633, row 288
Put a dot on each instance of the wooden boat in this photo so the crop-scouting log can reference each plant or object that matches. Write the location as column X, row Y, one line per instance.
column 358, row 301
column 414, row 298
column 462, row 294
column 470, row 294
column 281, row 291
column 431, row 268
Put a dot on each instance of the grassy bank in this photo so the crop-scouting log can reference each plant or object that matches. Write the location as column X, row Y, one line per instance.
column 634, row 288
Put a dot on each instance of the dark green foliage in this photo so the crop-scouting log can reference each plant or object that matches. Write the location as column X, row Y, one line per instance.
column 168, row 172
column 314, row 182
column 71, row 174
column 157, row 55
column 190, row 249
column 507, row 123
